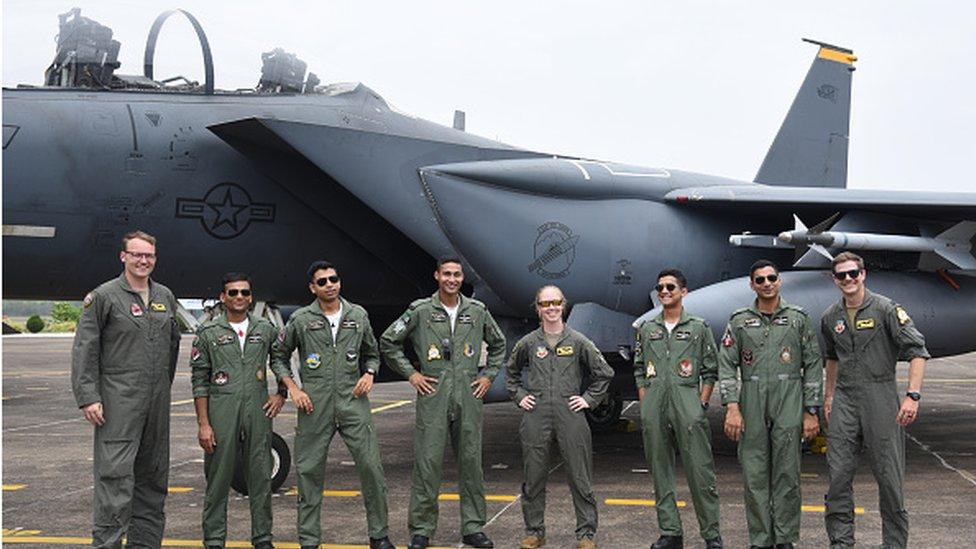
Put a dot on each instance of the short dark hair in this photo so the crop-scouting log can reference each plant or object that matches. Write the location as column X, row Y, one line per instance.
column 234, row 276
column 320, row 265
column 676, row 273
column 448, row 259
column 847, row 256
column 762, row 264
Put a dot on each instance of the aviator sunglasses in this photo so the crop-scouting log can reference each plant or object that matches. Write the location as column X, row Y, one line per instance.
column 326, row 279
column 234, row 291
column 852, row 274
column 550, row 303
column 762, row 279
column 669, row 287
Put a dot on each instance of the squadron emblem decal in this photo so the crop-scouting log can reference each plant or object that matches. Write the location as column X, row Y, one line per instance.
column 553, row 251
column 226, row 211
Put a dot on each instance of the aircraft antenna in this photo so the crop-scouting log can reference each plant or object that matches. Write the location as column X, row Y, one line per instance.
column 208, row 86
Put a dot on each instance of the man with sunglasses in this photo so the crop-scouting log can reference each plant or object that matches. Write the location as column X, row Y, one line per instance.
column 229, row 363
column 122, row 366
column 545, row 375
column 446, row 331
column 338, row 361
column 772, row 347
column 675, row 369
column 866, row 334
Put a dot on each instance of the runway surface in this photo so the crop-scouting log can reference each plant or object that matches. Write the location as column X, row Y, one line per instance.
column 47, row 480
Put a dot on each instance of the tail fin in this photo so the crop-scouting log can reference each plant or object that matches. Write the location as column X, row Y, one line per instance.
column 810, row 149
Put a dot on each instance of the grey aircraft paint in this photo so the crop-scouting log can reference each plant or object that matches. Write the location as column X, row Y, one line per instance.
column 269, row 181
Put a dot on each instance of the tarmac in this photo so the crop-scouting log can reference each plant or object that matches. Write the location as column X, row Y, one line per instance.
column 47, row 479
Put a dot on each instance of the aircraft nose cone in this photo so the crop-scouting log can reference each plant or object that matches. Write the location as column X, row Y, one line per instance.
column 785, row 236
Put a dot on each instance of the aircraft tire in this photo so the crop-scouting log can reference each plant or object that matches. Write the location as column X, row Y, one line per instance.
column 605, row 416
column 280, row 466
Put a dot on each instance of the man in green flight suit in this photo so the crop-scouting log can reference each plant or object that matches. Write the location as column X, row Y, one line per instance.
column 229, row 363
column 866, row 334
column 446, row 331
column 339, row 359
column 122, row 366
column 545, row 374
column 675, row 369
column 773, row 348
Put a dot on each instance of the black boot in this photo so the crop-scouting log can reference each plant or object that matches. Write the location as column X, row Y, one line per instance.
column 478, row 539
column 263, row 545
column 714, row 543
column 784, row 546
column 418, row 542
column 669, row 542
column 381, row 543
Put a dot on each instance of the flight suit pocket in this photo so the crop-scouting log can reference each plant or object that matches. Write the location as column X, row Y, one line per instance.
column 115, row 458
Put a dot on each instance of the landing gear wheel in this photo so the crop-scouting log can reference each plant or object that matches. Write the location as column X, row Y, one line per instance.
column 280, row 465
column 605, row 416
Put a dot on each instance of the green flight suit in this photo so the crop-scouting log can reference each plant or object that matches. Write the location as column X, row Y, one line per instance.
column 451, row 411
column 124, row 356
column 234, row 383
column 865, row 404
column 670, row 368
column 552, row 374
column 329, row 371
column 778, row 360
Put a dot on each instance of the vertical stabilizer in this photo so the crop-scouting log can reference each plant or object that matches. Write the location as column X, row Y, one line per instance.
column 810, row 149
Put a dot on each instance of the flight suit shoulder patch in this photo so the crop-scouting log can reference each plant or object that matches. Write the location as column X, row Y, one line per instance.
column 902, row 314
column 418, row 303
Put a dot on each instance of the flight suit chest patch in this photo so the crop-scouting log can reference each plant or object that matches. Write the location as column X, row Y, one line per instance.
column 158, row 307
column 685, row 368
column 136, row 309
column 782, row 321
column 351, row 355
column 786, row 355
column 464, row 319
column 840, row 326
column 655, row 335
column 682, row 335
column 225, row 339
column 864, row 324
column 348, row 323
column 565, row 350
column 468, row 348
column 256, row 338
column 752, row 323
column 438, row 316
column 313, row 361
column 541, row 352
column 433, row 353
column 221, row 378
column 746, row 357
column 316, row 325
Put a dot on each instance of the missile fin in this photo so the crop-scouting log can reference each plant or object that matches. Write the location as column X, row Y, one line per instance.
column 816, row 257
column 962, row 232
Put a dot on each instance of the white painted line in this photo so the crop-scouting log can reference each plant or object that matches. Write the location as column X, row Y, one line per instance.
column 964, row 474
column 586, row 174
column 29, row 231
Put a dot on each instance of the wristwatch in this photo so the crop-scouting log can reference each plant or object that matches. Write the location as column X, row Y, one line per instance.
column 282, row 390
column 914, row 395
column 812, row 410
column 371, row 371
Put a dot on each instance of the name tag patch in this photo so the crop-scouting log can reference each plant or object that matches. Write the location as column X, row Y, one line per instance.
column 752, row 323
column 158, row 307
column 256, row 338
column 464, row 319
column 316, row 325
column 682, row 335
column 864, row 324
column 566, row 350
column 437, row 316
column 656, row 335
column 349, row 324
column 225, row 339
column 781, row 321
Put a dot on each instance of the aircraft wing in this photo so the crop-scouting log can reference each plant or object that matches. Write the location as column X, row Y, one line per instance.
column 946, row 205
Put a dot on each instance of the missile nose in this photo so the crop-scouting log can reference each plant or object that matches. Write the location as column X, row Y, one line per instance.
column 785, row 236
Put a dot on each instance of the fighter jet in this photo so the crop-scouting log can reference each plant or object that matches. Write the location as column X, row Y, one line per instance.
column 268, row 179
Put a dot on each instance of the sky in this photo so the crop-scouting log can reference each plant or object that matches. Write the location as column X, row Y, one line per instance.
column 693, row 85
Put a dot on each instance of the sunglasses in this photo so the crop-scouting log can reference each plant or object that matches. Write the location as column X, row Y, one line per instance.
column 326, row 279
column 550, row 303
column 852, row 274
column 669, row 286
column 762, row 279
column 234, row 291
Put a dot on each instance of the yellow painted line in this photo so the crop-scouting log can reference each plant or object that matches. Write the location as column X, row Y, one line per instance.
column 66, row 540
column 386, row 407
column 943, row 380
column 457, row 497
column 823, row 509
column 644, row 502
column 183, row 414
column 809, row 475
column 180, row 402
column 329, row 493
column 13, row 487
column 179, row 489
